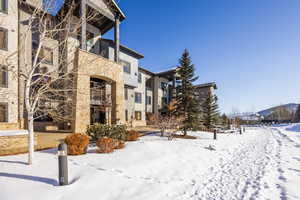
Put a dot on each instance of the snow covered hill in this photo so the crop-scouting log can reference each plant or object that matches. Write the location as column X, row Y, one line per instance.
column 263, row 163
column 291, row 107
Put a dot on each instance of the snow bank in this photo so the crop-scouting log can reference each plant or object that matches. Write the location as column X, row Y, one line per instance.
column 13, row 132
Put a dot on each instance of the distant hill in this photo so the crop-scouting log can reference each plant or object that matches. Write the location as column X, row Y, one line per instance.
column 291, row 107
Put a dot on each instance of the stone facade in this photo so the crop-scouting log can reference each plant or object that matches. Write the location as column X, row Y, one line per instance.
column 9, row 60
column 90, row 65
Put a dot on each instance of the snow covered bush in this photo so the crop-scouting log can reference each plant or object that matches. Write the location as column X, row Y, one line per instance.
column 77, row 143
column 106, row 145
column 132, row 135
column 97, row 131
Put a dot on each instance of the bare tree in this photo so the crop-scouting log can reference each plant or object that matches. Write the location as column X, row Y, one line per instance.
column 48, row 87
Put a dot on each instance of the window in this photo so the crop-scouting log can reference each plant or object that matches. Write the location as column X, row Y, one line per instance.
column 140, row 77
column 138, row 97
column 46, row 55
column 126, row 115
column 3, row 6
column 126, row 93
column 3, row 76
column 3, row 112
column 138, row 115
column 163, row 85
column 148, row 100
column 3, row 38
column 126, row 66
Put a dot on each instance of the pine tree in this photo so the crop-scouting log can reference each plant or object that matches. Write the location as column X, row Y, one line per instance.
column 210, row 111
column 186, row 104
column 297, row 114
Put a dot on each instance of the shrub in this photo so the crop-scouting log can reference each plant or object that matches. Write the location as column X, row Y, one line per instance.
column 132, row 135
column 77, row 143
column 121, row 144
column 106, row 145
column 97, row 131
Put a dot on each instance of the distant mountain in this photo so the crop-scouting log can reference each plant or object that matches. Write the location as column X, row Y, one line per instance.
column 291, row 107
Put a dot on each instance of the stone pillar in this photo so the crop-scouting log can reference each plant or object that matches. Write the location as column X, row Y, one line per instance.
column 118, row 103
column 82, row 104
column 83, row 25
column 117, row 37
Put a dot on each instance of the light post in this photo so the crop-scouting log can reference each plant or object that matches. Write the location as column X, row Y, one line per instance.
column 215, row 134
column 62, row 152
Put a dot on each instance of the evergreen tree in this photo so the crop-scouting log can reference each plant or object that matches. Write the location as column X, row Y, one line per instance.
column 210, row 111
column 297, row 114
column 186, row 104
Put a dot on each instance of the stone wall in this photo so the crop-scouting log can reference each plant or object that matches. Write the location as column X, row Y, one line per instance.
column 9, row 126
column 14, row 144
column 91, row 65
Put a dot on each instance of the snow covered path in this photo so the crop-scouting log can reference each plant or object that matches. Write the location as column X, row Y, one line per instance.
column 263, row 163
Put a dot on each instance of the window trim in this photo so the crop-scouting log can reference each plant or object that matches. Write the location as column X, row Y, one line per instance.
column 7, row 110
column 6, row 38
column 5, row 10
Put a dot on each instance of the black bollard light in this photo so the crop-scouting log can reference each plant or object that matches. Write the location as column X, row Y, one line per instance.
column 215, row 134
column 62, row 164
column 241, row 131
column 244, row 129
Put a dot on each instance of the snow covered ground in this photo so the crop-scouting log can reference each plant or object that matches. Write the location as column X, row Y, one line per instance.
column 263, row 163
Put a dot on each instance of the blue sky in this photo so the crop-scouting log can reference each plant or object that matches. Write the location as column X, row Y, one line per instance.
column 250, row 48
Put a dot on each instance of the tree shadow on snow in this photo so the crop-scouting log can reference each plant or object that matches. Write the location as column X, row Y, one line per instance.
column 30, row 178
column 13, row 162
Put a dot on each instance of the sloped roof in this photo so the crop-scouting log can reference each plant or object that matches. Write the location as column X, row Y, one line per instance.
column 203, row 85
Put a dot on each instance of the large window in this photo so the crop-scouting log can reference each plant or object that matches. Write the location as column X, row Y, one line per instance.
column 149, row 100
column 126, row 66
column 3, row 38
column 3, row 76
column 3, row 112
column 3, row 6
column 126, row 115
column 140, row 77
column 126, row 93
column 138, row 97
column 138, row 115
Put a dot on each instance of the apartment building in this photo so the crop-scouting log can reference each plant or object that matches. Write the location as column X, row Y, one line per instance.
column 9, row 29
column 111, row 87
column 205, row 89
column 127, row 91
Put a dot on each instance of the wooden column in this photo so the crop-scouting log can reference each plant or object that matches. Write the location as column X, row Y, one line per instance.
column 117, row 37
column 83, row 25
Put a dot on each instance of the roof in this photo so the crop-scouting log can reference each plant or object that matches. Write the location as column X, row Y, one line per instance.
column 124, row 48
column 203, row 85
column 122, row 15
column 146, row 71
